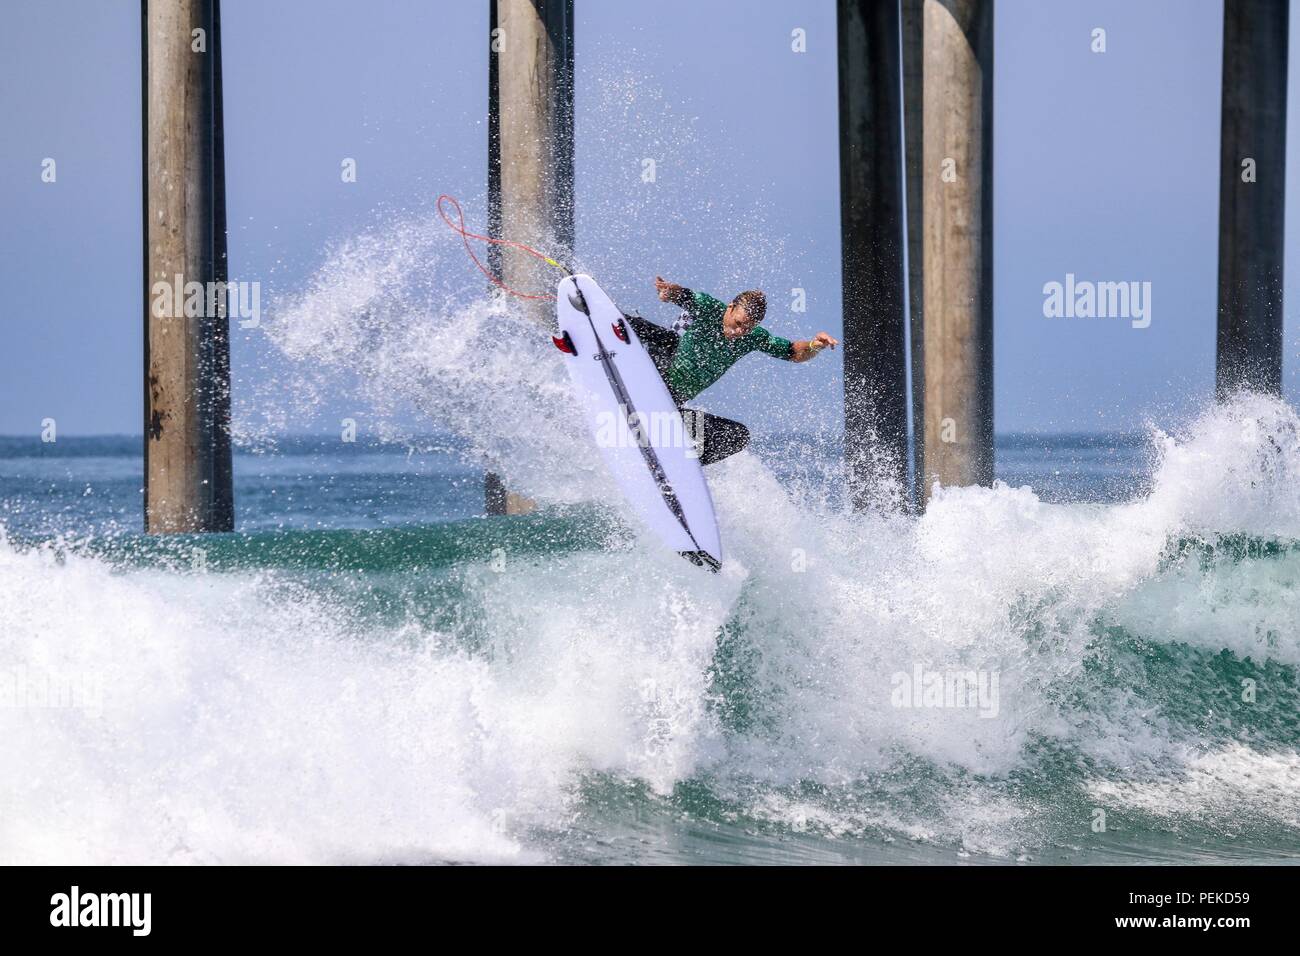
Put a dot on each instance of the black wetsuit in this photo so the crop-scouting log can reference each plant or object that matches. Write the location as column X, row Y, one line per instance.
column 722, row 437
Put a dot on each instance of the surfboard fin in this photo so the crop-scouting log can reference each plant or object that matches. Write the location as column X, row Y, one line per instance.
column 621, row 331
column 564, row 343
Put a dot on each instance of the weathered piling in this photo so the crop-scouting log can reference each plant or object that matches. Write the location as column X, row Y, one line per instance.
column 957, row 218
column 187, row 457
column 1252, row 196
column 871, row 243
column 530, row 156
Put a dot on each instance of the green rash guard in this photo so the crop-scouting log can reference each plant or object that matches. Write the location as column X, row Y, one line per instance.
column 704, row 353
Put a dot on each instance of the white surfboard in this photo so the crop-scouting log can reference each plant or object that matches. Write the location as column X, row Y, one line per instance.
column 646, row 445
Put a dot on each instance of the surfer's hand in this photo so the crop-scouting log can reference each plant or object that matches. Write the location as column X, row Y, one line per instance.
column 670, row 291
column 803, row 351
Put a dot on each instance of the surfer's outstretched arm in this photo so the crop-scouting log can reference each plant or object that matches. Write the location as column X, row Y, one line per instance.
column 804, row 350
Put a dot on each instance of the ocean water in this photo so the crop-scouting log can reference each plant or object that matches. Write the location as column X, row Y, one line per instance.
column 369, row 670
column 1093, row 661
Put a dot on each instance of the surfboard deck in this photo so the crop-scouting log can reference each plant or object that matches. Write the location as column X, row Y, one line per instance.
column 645, row 443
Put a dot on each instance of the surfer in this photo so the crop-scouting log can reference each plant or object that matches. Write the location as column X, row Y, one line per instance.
column 707, row 339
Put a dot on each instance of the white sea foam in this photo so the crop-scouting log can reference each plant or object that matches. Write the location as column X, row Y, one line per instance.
column 242, row 719
column 1226, row 785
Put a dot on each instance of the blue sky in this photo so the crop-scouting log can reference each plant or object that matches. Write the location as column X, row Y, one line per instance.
column 1106, row 167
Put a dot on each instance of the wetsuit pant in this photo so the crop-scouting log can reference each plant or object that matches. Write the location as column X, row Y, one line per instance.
column 721, row 436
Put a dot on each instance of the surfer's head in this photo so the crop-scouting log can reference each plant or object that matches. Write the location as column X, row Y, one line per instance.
column 745, row 312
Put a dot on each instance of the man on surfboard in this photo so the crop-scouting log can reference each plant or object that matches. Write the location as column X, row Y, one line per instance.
column 713, row 337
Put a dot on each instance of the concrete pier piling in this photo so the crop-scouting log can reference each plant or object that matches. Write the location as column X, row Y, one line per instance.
column 530, row 158
column 1252, row 196
column 187, row 455
column 957, row 219
column 872, row 242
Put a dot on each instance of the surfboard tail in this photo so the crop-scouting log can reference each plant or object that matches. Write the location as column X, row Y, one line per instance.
column 702, row 559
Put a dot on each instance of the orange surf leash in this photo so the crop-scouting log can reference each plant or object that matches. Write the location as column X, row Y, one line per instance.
column 466, row 236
